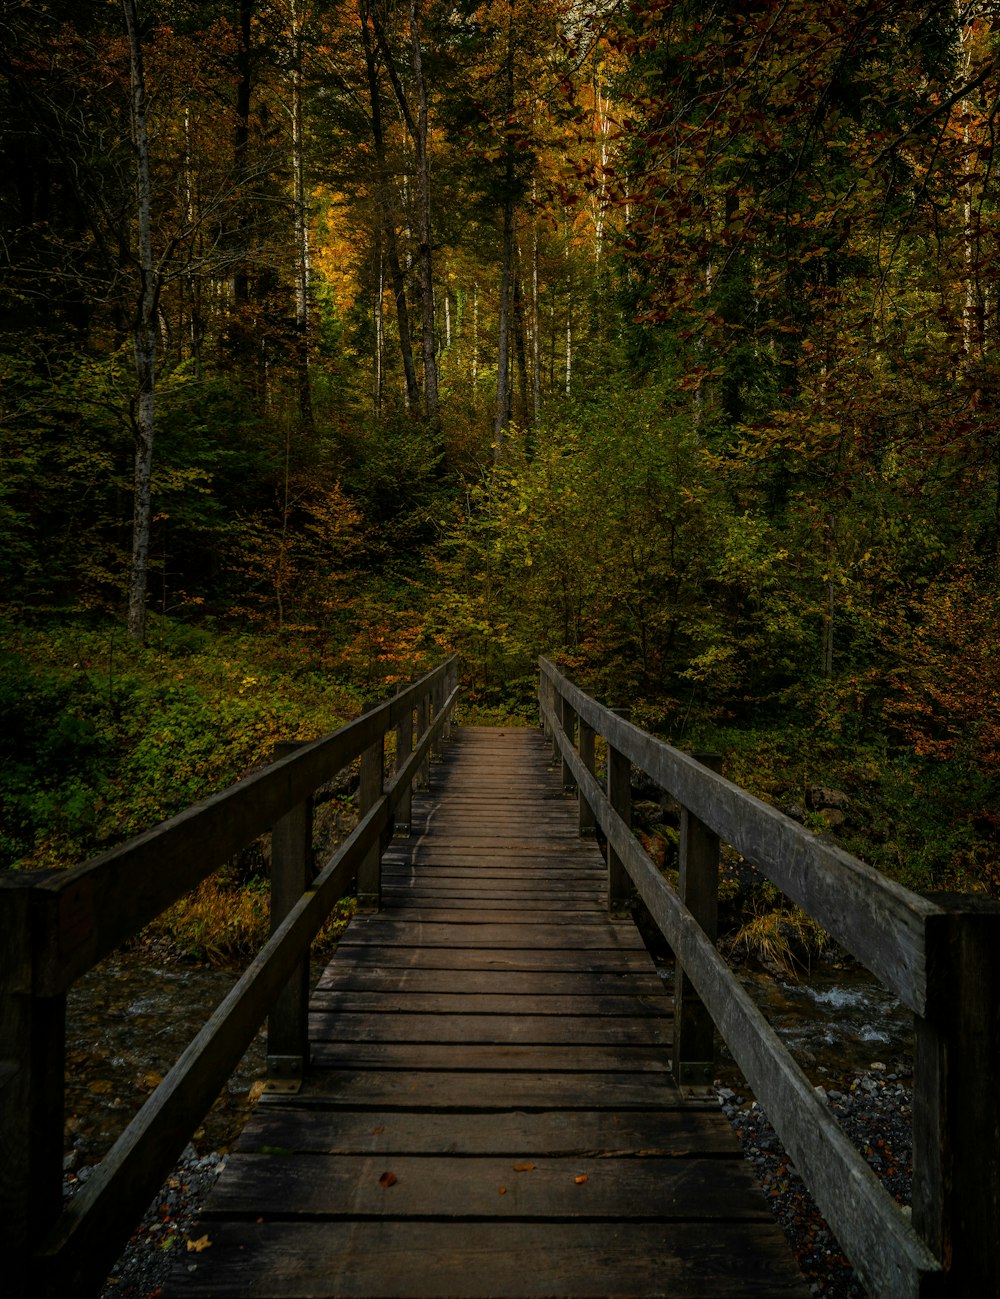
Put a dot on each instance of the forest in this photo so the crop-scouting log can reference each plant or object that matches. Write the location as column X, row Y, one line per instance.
column 660, row 337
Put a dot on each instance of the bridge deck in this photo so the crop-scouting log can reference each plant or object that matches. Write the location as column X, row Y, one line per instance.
column 489, row 1109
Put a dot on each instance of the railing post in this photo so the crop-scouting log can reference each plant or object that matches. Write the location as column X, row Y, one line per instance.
column 437, row 703
column 589, row 759
column 370, row 790
column 291, row 875
column 423, row 720
column 567, row 717
column 32, row 1082
column 694, row 1032
column 404, row 747
column 620, row 891
column 956, row 1129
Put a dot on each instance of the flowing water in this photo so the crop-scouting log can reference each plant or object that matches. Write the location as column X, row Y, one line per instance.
column 127, row 1021
column 835, row 1020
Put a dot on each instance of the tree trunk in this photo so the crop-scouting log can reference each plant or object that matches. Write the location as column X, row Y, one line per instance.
column 424, row 220
column 536, row 330
column 412, row 390
column 503, row 408
column 143, row 339
column 301, row 226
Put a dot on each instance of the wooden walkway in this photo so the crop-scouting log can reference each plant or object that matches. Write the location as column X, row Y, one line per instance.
column 489, row 1110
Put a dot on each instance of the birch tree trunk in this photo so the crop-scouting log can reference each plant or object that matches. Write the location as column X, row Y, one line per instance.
column 143, row 338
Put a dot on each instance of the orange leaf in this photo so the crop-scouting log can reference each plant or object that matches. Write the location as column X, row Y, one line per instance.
column 502, row 1190
column 524, row 1168
column 200, row 1244
column 581, row 1179
column 387, row 1180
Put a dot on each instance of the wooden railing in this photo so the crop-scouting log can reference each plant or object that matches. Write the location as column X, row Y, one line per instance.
column 54, row 926
column 939, row 955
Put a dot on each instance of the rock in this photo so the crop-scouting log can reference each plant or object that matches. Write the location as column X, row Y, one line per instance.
column 796, row 811
column 821, row 796
column 833, row 817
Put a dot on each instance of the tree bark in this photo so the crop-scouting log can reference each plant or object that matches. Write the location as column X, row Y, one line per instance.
column 301, row 225
column 412, row 389
column 143, row 338
column 424, row 218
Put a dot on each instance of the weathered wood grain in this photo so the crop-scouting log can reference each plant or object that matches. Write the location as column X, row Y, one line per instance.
column 476, row 1260
column 647, row 1189
column 471, row 1029
column 667, row 1133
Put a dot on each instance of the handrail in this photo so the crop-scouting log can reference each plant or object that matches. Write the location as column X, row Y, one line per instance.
column 54, row 928
column 940, row 957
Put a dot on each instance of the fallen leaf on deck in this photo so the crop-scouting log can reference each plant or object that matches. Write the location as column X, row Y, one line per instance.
column 581, row 1179
column 524, row 1168
column 387, row 1180
column 502, row 1190
column 377, row 1131
column 196, row 1246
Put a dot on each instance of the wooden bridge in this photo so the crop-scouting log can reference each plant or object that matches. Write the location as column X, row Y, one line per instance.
column 490, row 1092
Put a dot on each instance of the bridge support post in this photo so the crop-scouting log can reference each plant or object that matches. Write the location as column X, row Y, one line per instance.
column 956, row 1121
column 291, row 875
column 423, row 721
column 567, row 719
column 32, row 1080
column 404, row 747
column 589, row 759
column 620, row 891
column 694, row 1033
column 369, row 792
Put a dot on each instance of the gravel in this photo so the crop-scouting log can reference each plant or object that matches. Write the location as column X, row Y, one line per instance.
column 873, row 1108
column 166, row 1229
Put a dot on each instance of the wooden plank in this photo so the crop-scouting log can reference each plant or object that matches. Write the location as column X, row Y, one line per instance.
column 641, row 982
column 466, row 899
column 382, row 932
column 486, row 958
column 491, row 1056
column 470, row 1029
column 462, row 1003
column 465, row 917
column 531, row 1089
column 674, row 1133
column 429, row 1260
column 647, row 1189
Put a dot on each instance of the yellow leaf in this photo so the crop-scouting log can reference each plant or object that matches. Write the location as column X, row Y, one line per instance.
column 197, row 1246
column 581, row 1179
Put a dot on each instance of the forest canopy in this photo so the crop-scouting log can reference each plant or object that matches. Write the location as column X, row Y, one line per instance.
column 659, row 337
